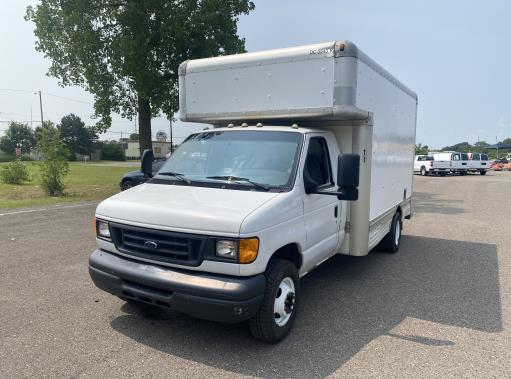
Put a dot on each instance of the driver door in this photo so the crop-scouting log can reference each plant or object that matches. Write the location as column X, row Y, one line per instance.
column 321, row 212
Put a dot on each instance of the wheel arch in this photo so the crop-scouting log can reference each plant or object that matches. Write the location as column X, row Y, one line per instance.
column 290, row 252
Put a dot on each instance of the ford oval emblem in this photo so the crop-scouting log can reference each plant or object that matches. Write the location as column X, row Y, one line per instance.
column 151, row 244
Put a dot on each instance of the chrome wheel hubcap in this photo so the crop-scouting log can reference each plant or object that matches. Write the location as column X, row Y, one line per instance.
column 398, row 233
column 284, row 301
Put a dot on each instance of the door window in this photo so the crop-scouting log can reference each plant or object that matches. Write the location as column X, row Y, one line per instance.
column 317, row 164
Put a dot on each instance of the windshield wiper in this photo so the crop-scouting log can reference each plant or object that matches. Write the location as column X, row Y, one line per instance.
column 229, row 178
column 177, row 175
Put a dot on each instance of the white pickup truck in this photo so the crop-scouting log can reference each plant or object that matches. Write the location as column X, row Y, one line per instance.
column 310, row 155
column 427, row 165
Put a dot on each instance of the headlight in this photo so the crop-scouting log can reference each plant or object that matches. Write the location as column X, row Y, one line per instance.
column 242, row 251
column 103, row 231
column 227, row 249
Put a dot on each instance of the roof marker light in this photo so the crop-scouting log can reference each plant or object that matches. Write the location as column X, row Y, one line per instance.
column 230, row 126
column 294, row 126
column 244, row 125
column 259, row 125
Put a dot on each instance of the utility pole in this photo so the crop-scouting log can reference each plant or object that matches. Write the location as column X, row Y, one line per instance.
column 171, row 141
column 497, row 143
column 41, row 106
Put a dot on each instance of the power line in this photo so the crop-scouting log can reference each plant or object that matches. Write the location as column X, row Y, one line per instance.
column 35, row 92
column 17, row 90
column 68, row 98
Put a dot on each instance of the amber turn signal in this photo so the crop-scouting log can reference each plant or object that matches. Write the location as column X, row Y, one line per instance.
column 248, row 249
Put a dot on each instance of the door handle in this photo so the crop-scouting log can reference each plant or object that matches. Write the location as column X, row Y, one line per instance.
column 336, row 210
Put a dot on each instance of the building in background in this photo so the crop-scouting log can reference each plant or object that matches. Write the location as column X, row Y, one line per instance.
column 132, row 149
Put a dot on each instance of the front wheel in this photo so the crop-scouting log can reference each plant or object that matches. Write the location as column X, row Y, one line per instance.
column 127, row 184
column 276, row 316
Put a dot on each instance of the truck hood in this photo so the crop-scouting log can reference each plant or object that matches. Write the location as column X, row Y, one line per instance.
column 183, row 208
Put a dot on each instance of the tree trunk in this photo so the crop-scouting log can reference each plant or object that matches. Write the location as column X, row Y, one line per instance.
column 144, row 124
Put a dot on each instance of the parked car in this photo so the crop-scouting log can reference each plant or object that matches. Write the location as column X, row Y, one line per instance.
column 426, row 164
column 134, row 178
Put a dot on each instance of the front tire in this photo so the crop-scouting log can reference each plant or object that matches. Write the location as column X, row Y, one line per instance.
column 277, row 313
column 391, row 242
column 127, row 184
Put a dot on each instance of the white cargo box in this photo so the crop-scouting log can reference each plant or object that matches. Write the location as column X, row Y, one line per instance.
column 333, row 80
column 332, row 86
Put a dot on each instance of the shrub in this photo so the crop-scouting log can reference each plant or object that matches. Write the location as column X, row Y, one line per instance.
column 14, row 173
column 54, row 166
column 112, row 152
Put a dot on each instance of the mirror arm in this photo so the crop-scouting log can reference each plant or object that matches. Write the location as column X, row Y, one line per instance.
column 341, row 193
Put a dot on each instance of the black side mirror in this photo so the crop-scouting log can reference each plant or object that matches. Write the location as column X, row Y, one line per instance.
column 147, row 163
column 348, row 172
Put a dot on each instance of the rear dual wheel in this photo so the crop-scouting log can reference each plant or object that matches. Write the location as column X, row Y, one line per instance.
column 424, row 172
column 391, row 242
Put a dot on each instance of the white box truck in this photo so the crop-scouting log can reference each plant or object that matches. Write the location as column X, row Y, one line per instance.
column 310, row 154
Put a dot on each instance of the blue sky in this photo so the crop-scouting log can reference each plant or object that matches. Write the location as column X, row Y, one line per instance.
column 454, row 54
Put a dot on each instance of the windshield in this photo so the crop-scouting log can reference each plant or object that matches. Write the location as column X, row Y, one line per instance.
column 241, row 157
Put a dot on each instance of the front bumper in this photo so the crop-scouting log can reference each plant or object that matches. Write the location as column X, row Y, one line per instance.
column 203, row 295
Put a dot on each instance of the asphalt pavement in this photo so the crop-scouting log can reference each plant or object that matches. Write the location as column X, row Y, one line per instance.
column 440, row 307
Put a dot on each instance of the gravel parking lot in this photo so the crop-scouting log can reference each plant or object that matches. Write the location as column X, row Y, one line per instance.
column 440, row 307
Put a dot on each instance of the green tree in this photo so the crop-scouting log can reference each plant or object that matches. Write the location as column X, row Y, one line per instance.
column 134, row 137
column 462, row 147
column 17, row 134
column 46, row 128
column 54, row 166
column 77, row 138
column 481, row 146
column 111, row 151
column 127, row 52
column 421, row 149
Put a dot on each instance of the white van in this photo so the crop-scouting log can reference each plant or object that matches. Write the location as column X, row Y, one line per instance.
column 310, row 155
column 478, row 163
column 458, row 161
